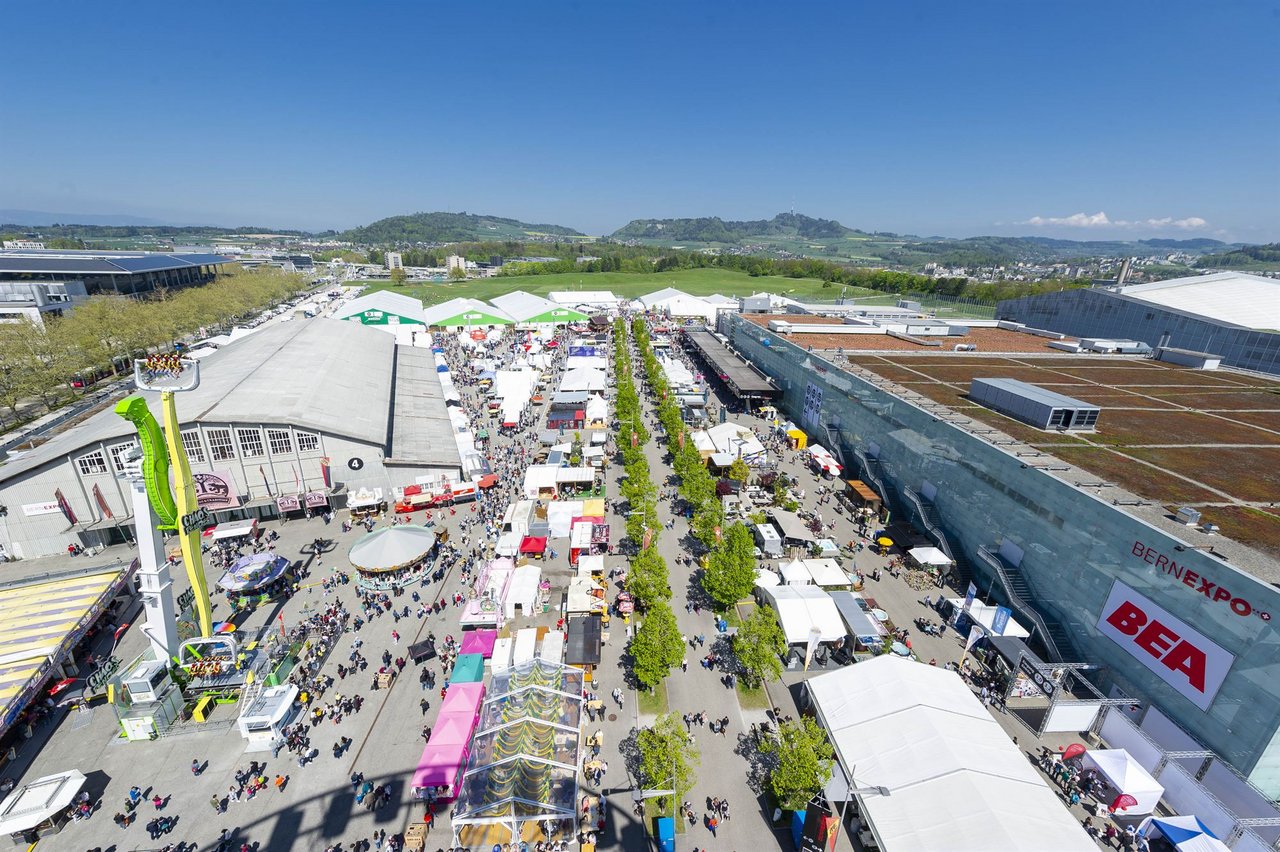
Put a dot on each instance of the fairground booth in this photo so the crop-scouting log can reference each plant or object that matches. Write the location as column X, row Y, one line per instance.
column 393, row 557
column 440, row 767
column 256, row 578
column 41, row 807
column 521, row 780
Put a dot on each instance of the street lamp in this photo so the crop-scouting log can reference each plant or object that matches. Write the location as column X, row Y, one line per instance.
column 852, row 790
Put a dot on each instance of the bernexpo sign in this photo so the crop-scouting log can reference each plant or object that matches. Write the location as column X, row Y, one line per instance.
column 1212, row 591
column 1177, row 653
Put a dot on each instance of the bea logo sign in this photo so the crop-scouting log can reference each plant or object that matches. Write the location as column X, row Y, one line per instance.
column 1178, row 654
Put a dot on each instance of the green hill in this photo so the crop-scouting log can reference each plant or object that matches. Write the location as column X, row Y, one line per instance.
column 1262, row 258
column 449, row 228
column 713, row 229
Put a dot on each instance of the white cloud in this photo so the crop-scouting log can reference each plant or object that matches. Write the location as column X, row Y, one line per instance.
column 1102, row 220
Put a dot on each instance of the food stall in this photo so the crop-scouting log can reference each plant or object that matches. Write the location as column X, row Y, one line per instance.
column 41, row 807
column 862, row 495
column 366, row 503
column 229, row 531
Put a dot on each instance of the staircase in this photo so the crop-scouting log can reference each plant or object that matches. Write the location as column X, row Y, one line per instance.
column 1051, row 634
column 870, row 468
column 931, row 521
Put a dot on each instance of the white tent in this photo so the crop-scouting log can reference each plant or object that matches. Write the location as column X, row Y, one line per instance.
column 560, row 515
column 826, row 572
column 597, row 410
column 590, row 564
column 539, row 478
column 984, row 615
column 522, row 590
column 1126, row 775
column 586, row 362
column 580, row 597
column 802, row 608
column 526, row 645
column 795, row 573
column 584, row 379
column 918, row 731
column 766, row 579
column 36, row 801
column 501, row 659
column 508, row 543
column 929, row 556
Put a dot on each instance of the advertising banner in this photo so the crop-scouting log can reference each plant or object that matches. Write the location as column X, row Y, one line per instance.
column 102, row 502
column 31, row 510
column 316, row 499
column 65, row 507
column 969, row 596
column 216, row 490
column 1177, row 653
column 812, row 412
column 288, row 502
column 1000, row 620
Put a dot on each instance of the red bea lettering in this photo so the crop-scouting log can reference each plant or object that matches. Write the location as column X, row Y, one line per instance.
column 1189, row 660
column 1156, row 639
column 1127, row 618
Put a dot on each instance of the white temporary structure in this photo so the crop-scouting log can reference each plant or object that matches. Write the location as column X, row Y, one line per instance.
column 795, row 573
column 802, row 609
column 929, row 556
column 36, row 801
column 767, row 579
column 522, row 590
column 552, row 647
column 501, row 659
column 392, row 547
column 526, row 646
column 918, row 731
column 584, row 379
column 826, row 572
column 1127, row 776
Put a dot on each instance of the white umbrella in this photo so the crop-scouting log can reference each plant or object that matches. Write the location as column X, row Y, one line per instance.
column 33, row 803
column 393, row 547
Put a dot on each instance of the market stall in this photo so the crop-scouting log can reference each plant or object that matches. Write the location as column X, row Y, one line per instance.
column 1126, row 777
column 229, row 531
column 467, row 668
column 366, row 503
column 258, row 576
column 479, row 642
column 526, row 645
column 40, row 808
column 262, row 723
column 533, row 546
column 1186, row 833
column 930, row 559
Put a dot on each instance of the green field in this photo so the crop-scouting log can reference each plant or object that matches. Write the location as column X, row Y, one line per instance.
column 696, row 282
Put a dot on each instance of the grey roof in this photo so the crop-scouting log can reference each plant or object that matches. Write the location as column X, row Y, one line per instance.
column 100, row 262
column 740, row 375
column 320, row 374
column 1036, row 393
column 421, row 430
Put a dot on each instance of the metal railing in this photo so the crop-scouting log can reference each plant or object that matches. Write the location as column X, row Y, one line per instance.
column 1019, row 603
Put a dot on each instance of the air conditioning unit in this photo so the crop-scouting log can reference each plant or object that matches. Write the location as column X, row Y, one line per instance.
column 1188, row 516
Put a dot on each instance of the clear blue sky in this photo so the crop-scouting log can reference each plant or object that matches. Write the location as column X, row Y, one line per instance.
column 918, row 117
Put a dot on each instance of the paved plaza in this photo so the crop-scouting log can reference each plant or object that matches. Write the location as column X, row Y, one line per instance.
column 315, row 809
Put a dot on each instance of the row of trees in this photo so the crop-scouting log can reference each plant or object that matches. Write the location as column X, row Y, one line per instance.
column 103, row 335
column 800, row 754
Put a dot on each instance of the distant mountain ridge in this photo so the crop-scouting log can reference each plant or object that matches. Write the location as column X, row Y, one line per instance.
column 443, row 227
column 38, row 218
column 713, row 229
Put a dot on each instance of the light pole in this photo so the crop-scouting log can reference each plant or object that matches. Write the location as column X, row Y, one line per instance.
column 852, row 790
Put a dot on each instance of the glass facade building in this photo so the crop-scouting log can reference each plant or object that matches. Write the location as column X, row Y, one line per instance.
column 1173, row 619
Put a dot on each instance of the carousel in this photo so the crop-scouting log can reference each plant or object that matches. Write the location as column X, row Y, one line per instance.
column 393, row 557
column 255, row 579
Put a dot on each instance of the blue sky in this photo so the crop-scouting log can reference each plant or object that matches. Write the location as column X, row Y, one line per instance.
column 1074, row 119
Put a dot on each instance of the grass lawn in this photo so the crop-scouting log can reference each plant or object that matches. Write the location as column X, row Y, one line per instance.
column 752, row 699
column 653, row 703
column 696, row 282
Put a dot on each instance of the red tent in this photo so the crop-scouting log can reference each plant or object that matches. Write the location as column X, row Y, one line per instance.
column 488, row 480
column 533, row 544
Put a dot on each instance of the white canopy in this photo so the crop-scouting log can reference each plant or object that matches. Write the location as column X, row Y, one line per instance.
column 508, row 543
column 584, row 379
column 802, row 608
column 766, row 579
column 586, row 362
column 590, row 564
column 1126, row 775
column 501, row 659
column 36, row 801
column 984, row 614
column 795, row 573
column 522, row 590
column 1186, row 833
column 929, row 556
column 826, row 572
column 526, row 645
column 597, row 409
column 581, row 599
column 392, row 547
column 560, row 515
column 918, row 731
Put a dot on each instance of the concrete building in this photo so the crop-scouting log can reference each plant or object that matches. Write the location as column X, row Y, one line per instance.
column 1079, row 541
column 36, row 300
column 122, row 272
column 302, row 408
column 1231, row 314
column 455, row 261
column 394, row 260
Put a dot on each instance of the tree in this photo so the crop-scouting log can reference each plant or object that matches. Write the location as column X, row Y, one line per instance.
column 667, row 759
column 398, row 276
column 802, row 755
column 739, row 470
column 759, row 645
column 730, row 574
column 648, row 580
column 657, row 646
column 458, row 273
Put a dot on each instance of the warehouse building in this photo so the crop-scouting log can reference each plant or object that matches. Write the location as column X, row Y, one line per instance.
column 1230, row 314
column 301, row 410
column 120, row 272
column 1081, row 536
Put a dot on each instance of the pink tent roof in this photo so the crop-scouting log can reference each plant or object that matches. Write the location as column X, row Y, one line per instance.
column 453, row 729
column 440, row 765
column 462, row 699
column 479, row 642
